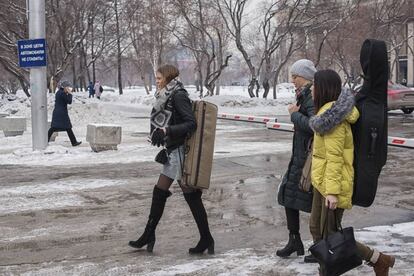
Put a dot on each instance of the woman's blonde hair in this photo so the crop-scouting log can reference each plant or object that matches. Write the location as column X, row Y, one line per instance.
column 169, row 72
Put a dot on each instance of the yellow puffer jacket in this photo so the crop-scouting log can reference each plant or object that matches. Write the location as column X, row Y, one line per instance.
column 333, row 156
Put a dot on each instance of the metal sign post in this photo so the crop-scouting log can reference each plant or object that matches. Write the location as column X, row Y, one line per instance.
column 38, row 82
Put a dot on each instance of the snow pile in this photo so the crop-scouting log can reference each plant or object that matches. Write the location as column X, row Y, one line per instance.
column 230, row 96
column 19, row 107
column 82, row 111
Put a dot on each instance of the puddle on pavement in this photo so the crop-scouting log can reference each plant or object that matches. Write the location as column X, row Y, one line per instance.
column 252, row 199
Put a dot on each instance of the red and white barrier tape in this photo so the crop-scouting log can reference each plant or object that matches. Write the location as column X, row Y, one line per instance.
column 271, row 123
column 392, row 141
column 280, row 126
column 401, row 142
column 245, row 118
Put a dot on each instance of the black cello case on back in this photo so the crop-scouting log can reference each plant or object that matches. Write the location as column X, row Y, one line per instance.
column 371, row 130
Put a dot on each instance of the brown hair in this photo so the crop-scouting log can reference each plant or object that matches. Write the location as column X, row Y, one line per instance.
column 169, row 72
column 328, row 86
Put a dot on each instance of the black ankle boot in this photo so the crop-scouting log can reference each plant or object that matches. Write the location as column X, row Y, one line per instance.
column 200, row 216
column 294, row 245
column 159, row 197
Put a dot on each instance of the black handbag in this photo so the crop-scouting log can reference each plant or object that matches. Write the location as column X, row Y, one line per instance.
column 162, row 157
column 338, row 252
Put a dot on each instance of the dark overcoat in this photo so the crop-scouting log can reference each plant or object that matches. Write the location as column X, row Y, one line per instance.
column 289, row 194
column 60, row 117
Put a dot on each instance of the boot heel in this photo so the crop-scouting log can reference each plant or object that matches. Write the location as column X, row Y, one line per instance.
column 300, row 252
column 150, row 246
column 210, row 249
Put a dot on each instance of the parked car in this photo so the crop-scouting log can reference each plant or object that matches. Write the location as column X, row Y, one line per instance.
column 400, row 97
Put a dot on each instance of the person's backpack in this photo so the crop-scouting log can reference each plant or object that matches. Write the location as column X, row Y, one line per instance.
column 100, row 89
column 371, row 130
column 199, row 147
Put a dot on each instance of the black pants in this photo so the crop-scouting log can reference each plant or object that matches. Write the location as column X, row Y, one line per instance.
column 68, row 131
column 292, row 216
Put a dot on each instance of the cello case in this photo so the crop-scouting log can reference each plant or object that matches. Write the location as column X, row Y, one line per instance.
column 371, row 130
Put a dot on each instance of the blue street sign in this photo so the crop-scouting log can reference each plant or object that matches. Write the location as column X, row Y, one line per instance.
column 32, row 52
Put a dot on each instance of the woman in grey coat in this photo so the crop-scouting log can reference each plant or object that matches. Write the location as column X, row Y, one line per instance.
column 290, row 195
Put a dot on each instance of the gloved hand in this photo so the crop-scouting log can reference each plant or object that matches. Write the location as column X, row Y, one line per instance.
column 157, row 138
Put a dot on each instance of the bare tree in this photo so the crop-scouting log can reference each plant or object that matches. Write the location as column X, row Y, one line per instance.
column 203, row 36
column 13, row 26
column 149, row 38
column 68, row 24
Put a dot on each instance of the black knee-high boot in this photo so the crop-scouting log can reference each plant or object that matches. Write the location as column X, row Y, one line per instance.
column 200, row 216
column 159, row 197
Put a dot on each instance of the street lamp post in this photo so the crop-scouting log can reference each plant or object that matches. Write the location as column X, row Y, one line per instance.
column 38, row 88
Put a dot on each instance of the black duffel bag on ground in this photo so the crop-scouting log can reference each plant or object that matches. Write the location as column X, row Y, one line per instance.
column 337, row 253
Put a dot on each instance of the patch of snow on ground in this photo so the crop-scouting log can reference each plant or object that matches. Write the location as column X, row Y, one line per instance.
column 48, row 195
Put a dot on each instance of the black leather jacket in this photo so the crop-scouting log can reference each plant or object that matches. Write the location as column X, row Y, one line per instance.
column 182, row 122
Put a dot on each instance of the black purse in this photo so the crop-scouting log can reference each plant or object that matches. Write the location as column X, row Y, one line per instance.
column 162, row 157
column 338, row 252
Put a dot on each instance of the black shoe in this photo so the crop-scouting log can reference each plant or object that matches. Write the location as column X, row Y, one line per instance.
column 200, row 216
column 159, row 197
column 310, row 259
column 294, row 245
column 77, row 143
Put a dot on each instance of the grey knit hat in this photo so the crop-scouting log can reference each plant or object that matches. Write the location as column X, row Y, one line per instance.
column 303, row 68
column 64, row 83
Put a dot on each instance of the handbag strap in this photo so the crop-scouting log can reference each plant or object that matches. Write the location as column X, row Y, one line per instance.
column 337, row 223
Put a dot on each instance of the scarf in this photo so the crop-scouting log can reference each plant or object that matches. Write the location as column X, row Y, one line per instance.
column 161, row 117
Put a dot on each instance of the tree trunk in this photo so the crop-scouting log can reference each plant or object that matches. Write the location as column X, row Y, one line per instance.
column 257, row 88
column 145, row 83
column 218, row 86
column 24, row 86
column 74, row 79
column 266, row 87
column 250, row 88
column 93, row 53
column 275, row 81
column 118, row 44
column 200, row 75
column 151, row 80
column 275, row 87
column 265, row 83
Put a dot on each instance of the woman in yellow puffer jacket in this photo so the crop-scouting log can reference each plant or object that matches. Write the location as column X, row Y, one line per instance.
column 332, row 162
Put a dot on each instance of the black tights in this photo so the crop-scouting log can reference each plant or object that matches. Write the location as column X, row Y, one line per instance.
column 292, row 216
column 164, row 183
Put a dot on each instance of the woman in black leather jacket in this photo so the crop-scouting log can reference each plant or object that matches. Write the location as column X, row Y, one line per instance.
column 172, row 120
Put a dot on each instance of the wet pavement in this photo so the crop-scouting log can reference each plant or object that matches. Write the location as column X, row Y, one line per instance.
column 77, row 220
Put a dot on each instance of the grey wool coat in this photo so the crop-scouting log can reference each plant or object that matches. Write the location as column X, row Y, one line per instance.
column 289, row 194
